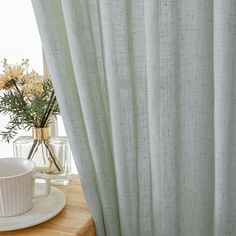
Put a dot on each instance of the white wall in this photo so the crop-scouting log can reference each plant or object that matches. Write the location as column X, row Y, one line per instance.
column 19, row 36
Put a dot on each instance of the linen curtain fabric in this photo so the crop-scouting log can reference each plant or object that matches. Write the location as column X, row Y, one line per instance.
column 147, row 91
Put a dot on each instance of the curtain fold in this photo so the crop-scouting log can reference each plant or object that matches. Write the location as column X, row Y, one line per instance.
column 225, row 111
column 147, row 92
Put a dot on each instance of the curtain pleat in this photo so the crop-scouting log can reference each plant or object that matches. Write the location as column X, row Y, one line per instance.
column 147, row 92
column 225, row 111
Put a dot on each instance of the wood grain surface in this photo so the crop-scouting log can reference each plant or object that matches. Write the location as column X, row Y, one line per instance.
column 74, row 219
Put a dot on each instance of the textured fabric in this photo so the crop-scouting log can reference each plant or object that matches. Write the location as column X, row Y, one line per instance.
column 147, row 91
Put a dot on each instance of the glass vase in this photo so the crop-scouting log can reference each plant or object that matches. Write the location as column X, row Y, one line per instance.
column 51, row 155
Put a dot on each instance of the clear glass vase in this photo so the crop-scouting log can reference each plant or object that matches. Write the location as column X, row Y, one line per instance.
column 51, row 155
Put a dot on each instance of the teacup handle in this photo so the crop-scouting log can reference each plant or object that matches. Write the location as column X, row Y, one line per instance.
column 47, row 185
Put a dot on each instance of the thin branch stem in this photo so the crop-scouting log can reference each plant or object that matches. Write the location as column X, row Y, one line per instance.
column 33, row 149
column 52, row 156
column 49, row 112
column 42, row 124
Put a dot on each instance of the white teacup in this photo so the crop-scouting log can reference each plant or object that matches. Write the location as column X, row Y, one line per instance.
column 17, row 181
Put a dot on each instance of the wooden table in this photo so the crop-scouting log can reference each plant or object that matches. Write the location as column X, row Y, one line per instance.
column 74, row 219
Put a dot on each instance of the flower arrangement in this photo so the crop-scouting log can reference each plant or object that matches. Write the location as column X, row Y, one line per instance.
column 29, row 99
column 30, row 102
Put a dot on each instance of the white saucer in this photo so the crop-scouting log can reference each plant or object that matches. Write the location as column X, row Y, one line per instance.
column 42, row 211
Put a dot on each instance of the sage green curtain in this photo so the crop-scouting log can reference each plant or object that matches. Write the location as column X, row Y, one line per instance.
column 147, row 91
